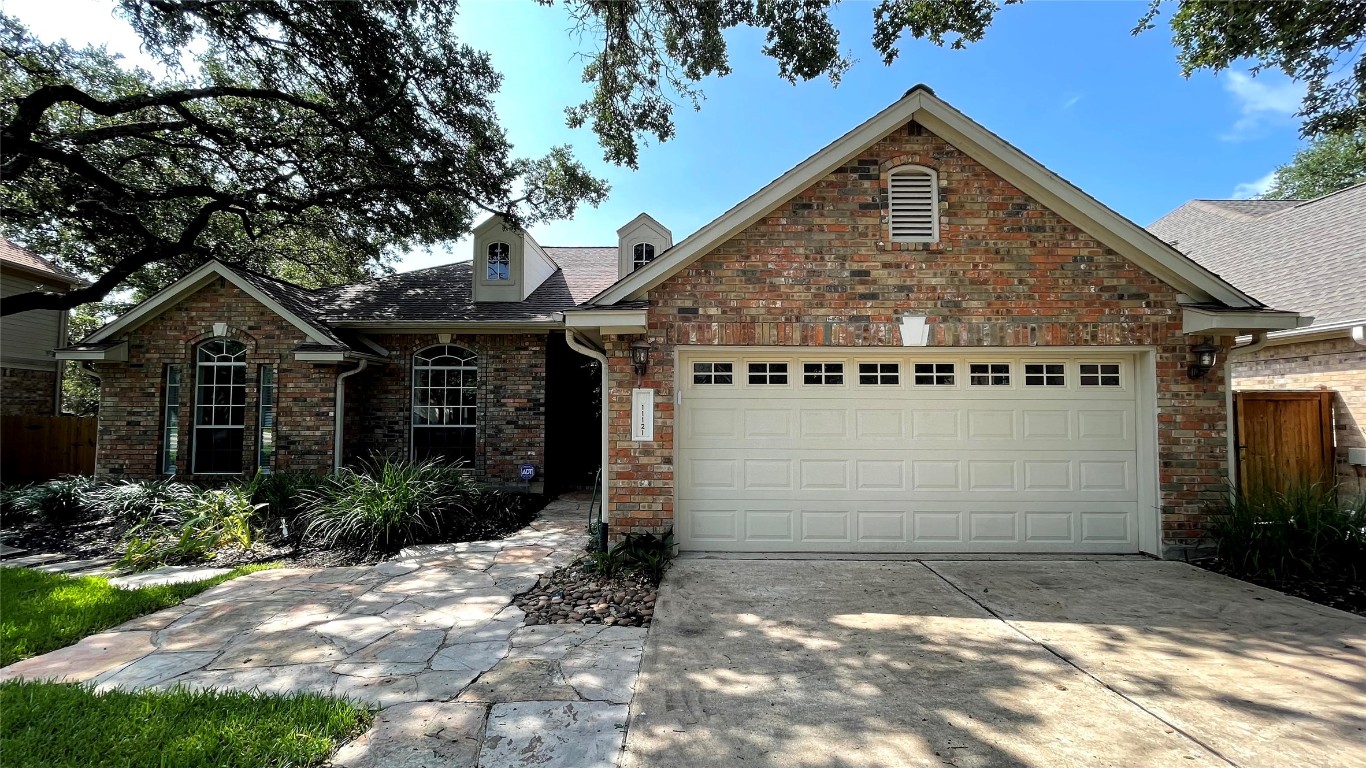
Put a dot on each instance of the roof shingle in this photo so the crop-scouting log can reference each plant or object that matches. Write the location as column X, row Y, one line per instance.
column 17, row 255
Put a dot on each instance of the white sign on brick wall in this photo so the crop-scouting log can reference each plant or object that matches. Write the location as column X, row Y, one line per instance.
column 642, row 415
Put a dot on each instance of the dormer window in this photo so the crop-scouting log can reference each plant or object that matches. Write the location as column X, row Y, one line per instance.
column 642, row 254
column 914, row 206
column 499, row 264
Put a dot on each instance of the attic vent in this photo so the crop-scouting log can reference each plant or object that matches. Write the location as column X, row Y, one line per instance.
column 913, row 199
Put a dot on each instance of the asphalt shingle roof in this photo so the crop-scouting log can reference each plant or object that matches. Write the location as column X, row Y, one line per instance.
column 23, row 257
column 1303, row 255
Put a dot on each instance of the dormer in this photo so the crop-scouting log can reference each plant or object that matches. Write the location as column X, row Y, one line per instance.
column 508, row 263
column 640, row 242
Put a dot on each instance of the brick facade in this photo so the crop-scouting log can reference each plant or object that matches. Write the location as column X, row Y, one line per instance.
column 27, row 392
column 1337, row 364
column 511, row 414
column 1007, row 272
column 132, row 393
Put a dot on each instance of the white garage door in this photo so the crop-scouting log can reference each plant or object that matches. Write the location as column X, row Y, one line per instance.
column 910, row 452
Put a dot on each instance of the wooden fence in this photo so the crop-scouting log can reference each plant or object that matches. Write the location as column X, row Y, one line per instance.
column 1284, row 438
column 35, row 448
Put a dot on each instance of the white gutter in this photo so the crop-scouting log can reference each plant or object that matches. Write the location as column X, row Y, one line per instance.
column 1359, row 334
column 339, row 416
column 572, row 340
column 1258, row 341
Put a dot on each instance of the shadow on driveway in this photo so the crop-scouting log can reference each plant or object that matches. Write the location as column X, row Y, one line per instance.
column 992, row 663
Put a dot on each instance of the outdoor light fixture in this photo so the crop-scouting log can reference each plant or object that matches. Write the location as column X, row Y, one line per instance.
column 640, row 356
column 1203, row 360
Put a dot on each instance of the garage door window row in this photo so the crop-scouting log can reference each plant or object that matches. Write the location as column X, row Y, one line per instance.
column 934, row 374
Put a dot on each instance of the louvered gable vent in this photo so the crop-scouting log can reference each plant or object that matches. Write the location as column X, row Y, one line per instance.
column 914, row 205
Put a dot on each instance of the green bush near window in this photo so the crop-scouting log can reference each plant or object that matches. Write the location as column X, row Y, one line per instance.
column 56, row 502
column 192, row 529
column 55, row 725
column 1305, row 531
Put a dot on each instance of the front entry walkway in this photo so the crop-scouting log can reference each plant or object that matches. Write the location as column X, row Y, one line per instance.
column 431, row 637
column 1111, row 662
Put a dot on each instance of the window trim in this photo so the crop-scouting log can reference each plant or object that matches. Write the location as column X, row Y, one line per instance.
column 952, row 373
column 488, row 256
column 195, row 426
column 768, row 373
column 170, row 419
column 1025, row 374
column 991, row 374
column 266, row 403
column 1118, row 374
column 824, row 373
column 694, row 373
column 639, row 246
column 900, row 373
column 909, row 169
column 413, row 426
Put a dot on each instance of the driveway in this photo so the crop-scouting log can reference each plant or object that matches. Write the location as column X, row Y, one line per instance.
column 1106, row 661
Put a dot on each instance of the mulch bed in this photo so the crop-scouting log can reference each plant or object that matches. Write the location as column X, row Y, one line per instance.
column 576, row 594
column 1343, row 594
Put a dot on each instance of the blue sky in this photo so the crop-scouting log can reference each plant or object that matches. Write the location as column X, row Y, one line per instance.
column 1063, row 81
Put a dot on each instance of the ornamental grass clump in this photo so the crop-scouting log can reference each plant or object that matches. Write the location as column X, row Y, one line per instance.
column 387, row 504
column 1303, row 531
column 192, row 529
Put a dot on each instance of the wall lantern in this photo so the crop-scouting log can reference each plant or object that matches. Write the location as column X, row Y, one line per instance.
column 640, row 356
column 1203, row 360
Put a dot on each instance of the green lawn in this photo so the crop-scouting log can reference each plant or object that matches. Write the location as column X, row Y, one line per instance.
column 41, row 612
column 55, row 725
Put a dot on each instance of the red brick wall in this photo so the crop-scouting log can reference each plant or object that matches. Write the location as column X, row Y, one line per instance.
column 27, row 392
column 1007, row 272
column 1337, row 364
column 132, row 393
column 511, row 426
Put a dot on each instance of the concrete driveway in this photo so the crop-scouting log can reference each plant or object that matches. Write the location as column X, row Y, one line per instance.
column 1108, row 661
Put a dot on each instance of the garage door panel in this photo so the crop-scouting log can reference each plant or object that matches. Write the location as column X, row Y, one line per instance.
column 896, row 464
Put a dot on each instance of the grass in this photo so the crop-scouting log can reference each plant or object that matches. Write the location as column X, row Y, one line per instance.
column 58, row 725
column 41, row 612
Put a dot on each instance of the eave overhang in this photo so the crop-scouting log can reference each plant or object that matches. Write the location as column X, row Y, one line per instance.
column 1207, row 320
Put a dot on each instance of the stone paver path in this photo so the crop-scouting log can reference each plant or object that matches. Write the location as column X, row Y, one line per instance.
column 430, row 638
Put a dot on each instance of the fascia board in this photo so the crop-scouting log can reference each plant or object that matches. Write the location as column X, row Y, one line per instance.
column 115, row 354
column 1195, row 320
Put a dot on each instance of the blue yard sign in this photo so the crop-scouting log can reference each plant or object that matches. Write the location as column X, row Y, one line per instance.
column 528, row 471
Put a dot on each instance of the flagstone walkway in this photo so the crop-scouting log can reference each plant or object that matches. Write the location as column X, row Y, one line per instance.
column 431, row 638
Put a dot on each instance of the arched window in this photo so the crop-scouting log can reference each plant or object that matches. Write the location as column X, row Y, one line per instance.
column 642, row 254
column 220, row 406
column 499, row 265
column 913, row 203
column 445, row 398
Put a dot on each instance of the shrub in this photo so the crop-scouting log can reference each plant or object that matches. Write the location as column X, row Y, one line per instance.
column 134, row 501
column 644, row 553
column 1303, row 531
column 387, row 504
column 284, row 494
column 193, row 530
column 56, row 502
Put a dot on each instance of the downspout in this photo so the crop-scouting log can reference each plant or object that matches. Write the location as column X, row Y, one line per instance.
column 1258, row 341
column 340, row 415
column 575, row 344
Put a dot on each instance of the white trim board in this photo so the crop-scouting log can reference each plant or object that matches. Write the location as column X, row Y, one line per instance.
column 921, row 105
column 187, row 285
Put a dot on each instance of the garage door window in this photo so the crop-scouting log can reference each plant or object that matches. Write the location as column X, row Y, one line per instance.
column 768, row 373
column 823, row 373
column 879, row 373
column 711, row 373
column 934, row 374
column 989, row 374
column 1045, row 375
column 1099, row 374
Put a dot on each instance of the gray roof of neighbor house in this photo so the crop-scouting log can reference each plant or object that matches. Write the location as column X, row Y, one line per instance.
column 19, row 256
column 443, row 294
column 1304, row 255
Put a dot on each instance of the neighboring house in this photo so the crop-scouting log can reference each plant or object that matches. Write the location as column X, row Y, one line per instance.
column 30, row 378
column 918, row 339
column 1304, row 255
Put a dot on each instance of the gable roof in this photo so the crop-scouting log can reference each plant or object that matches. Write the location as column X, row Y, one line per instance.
column 921, row 105
column 443, row 294
column 14, row 255
column 1305, row 255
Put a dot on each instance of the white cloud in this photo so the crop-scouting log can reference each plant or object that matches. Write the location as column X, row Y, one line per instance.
column 1072, row 102
column 1260, row 100
column 1250, row 189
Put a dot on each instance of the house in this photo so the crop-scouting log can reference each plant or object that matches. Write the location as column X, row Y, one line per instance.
column 30, row 378
column 916, row 340
column 1305, row 255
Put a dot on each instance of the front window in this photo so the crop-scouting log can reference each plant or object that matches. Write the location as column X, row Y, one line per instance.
column 265, row 423
column 170, row 425
column 220, row 406
column 499, row 265
column 445, row 398
column 642, row 254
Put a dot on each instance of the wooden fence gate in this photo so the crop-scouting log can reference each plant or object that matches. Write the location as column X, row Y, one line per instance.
column 36, row 448
column 1283, row 438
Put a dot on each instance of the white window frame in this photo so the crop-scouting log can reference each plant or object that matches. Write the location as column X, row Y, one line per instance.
column 472, row 365
column 879, row 373
column 196, row 425
column 507, row 262
column 767, row 373
column 913, row 170
column 1025, row 374
column 935, row 373
column 694, row 373
column 825, row 373
column 638, row 253
column 1100, row 375
column 991, row 374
